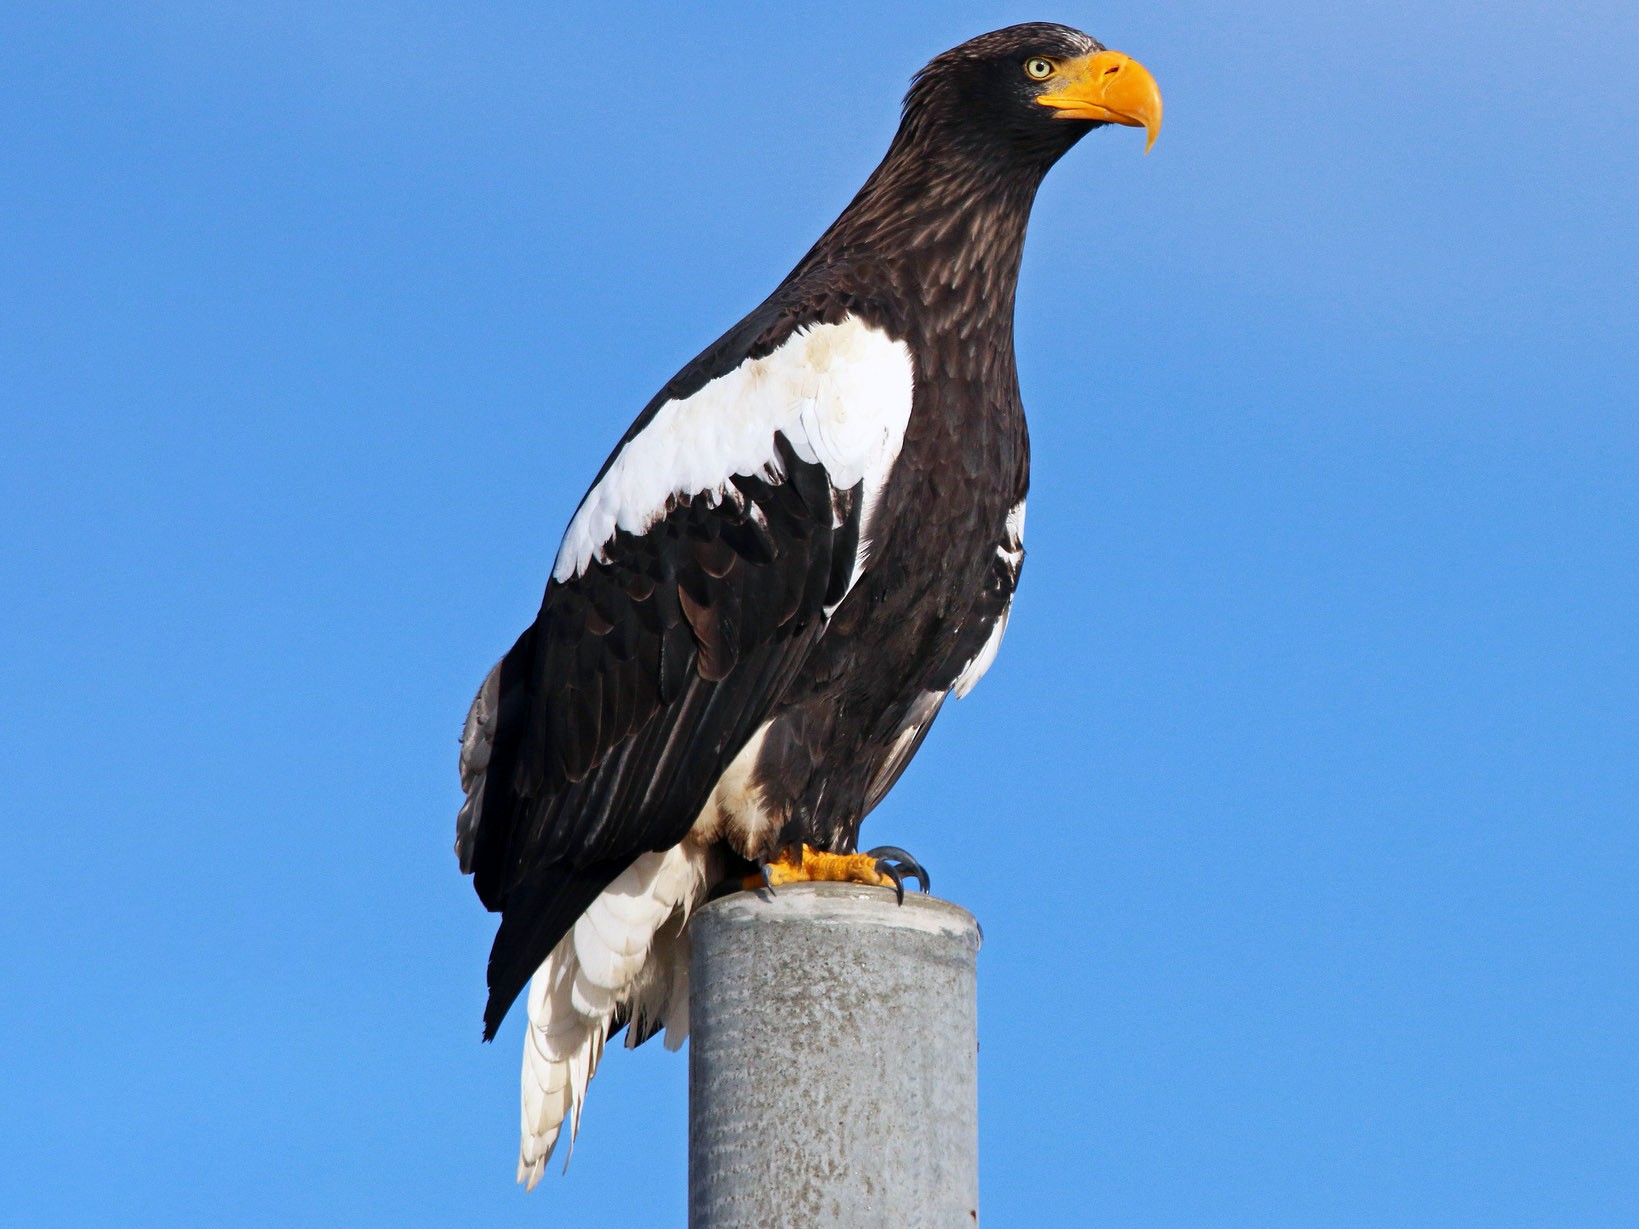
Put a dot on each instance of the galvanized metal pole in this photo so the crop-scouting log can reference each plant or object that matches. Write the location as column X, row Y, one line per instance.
column 833, row 1061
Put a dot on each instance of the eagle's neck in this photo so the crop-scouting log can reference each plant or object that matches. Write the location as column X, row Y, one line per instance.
column 933, row 241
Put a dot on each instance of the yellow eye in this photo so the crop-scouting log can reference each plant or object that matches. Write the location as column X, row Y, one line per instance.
column 1038, row 69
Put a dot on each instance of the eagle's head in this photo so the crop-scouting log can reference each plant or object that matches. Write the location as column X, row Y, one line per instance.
column 1027, row 93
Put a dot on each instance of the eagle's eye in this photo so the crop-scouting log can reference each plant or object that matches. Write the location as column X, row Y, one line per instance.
column 1038, row 69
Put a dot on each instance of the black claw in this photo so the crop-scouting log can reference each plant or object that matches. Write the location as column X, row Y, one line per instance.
column 768, row 878
column 884, row 867
column 903, row 865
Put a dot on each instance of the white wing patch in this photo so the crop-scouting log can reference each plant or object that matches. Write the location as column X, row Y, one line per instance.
column 1011, row 552
column 840, row 393
column 1013, row 548
column 975, row 669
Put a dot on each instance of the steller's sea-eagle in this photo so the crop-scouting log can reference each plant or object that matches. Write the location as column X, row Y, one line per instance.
column 807, row 541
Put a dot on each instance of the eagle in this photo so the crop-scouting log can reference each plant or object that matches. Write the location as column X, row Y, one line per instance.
column 803, row 546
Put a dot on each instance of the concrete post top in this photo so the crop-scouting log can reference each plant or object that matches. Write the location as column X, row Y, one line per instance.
column 846, row 904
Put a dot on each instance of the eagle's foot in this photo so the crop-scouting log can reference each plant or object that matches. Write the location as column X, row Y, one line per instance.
column 900, row 866
column 885, row 867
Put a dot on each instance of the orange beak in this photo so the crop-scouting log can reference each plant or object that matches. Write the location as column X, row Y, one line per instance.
column 1111, row 88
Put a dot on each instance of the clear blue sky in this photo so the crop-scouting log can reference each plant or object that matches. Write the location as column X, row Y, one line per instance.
column 1299, row 809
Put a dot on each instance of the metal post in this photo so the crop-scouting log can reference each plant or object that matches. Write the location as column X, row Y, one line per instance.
column 833, row 1061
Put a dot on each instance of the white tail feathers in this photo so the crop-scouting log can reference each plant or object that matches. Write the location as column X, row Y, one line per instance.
column 628, row 950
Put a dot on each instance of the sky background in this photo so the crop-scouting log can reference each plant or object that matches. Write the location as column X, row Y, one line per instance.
column 1298, row 809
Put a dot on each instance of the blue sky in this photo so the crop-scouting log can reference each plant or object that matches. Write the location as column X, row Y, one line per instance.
column 1298, row 809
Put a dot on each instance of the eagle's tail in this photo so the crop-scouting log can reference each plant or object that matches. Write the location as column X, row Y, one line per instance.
column 625, row 961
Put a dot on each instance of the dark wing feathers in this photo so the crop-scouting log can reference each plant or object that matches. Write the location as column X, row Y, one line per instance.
column 990, row 607
column 538, row 913
column 616, row 712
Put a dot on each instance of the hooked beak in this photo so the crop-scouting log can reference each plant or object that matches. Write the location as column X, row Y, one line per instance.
column 1110, row 88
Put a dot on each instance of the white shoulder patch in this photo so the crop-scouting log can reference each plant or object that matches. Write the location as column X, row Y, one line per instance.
column 840, row 393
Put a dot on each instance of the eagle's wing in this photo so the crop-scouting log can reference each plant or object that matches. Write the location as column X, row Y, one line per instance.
column 977, row 639
column 691, row 585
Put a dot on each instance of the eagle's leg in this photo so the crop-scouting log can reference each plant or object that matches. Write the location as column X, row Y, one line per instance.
column 886, row 866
